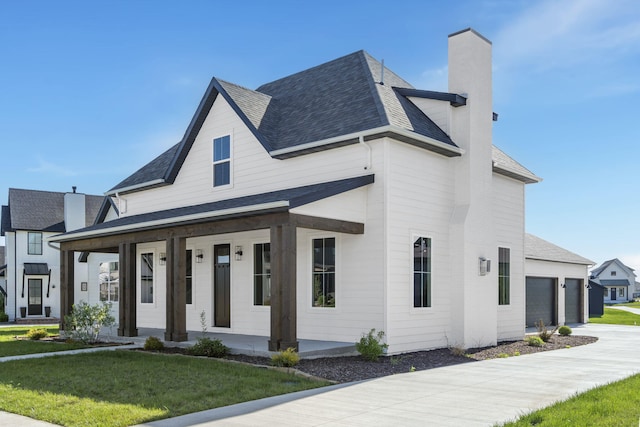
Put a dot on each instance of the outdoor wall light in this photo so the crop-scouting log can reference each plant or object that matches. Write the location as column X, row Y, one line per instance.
column 238, row 253
column 163, row 258
column 484, row 266
column 199, row 256
column 563, row 285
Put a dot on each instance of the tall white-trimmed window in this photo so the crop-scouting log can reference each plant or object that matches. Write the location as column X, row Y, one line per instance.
column 222, row 161
column 189, row 277
column 262, row 274
column 34, row 243
column 146, row 278
column 324, row 272
column 504, row 276
column 422, row 272
column 109, row 282
column 621, row 293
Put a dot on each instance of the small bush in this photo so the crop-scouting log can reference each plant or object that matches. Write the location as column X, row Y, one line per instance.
column 37, row 334
column 457, row 351
column 153, row 344
column 286, row 358
column 370, row 346
column 534, row 341
column 564, row 331
column 503, row 355
column 85, row 321
column 544, row 333
column 4, row 317
column 208, row 347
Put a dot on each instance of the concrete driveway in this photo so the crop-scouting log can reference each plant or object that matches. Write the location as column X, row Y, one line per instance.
column 470, row 394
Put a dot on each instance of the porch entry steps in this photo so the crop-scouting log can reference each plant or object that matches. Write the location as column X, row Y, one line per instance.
column 37, row 320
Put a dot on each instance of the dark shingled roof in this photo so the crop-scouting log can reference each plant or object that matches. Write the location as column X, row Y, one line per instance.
column 297, row 196
column 337, row 98
column 42, row 210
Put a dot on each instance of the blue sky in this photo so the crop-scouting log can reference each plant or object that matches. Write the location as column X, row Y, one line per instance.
column 91, row 91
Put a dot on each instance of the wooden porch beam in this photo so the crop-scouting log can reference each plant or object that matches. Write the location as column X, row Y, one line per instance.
column 67, row 280
column 127, row 307
column 176, row 299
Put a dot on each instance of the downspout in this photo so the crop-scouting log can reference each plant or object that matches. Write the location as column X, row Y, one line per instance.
column 368, row 147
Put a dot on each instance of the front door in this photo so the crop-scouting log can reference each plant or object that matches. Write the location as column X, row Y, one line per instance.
column 222, row 286
column 613, row 294
column 35, row 297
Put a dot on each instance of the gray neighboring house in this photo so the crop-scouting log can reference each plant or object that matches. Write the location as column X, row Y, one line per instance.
column 31, row 264
column 618, row 280
column 556, row 283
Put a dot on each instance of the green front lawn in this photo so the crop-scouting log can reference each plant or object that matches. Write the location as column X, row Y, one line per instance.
column 616, row 404
column 121, row 388
column 634, row 304
column 10, row 346
column 612, row 316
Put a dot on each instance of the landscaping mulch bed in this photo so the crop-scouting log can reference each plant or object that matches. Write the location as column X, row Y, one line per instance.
column 356, row 368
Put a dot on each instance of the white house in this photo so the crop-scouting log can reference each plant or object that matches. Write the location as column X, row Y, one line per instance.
column 324, row 204
column 556, row 283
column 619, row 281
column 32, row 273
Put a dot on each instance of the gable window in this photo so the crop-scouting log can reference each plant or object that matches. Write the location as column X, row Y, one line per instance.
column 109, row 283
column 613, row 273
column 222, row 161
column 146, row 278
column 189, row 277
column 262, row 274
column 34, row 243
column 504, row 279
column 324, row 272
column 422, row 272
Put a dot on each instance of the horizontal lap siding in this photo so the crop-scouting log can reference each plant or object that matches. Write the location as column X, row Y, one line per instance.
column 508, row 215
column 420, row 201
column 253, row 170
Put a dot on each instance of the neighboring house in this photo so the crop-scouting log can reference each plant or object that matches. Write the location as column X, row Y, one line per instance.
column 556, row 283
column 618, row 280
column 32, row 274
column 324, row 204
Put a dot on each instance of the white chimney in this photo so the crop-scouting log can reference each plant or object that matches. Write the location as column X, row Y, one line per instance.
column 74, row 210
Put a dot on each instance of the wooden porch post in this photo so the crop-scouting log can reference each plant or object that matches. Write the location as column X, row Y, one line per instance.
column 176, row 289
column 283, row 288
column 127, row 306
column 67, row 280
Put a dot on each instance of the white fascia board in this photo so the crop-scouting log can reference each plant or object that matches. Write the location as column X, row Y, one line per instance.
column 501, row 167
column 135, row 187
column 369, row 132
column 170, row 221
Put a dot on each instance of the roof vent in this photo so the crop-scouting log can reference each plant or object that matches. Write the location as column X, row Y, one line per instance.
column 382, row 72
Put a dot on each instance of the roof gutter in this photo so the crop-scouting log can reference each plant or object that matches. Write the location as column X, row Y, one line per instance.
column 370, row 134
column 135, row 187
column 167, row 221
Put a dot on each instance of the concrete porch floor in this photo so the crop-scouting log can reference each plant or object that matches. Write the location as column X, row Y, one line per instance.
column 253, row 345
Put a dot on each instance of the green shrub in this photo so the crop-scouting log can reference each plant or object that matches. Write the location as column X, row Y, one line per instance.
column 4, row 317
column 534, row 341
column 37, row 334
column 153, row 344
column 286, row 358
column 85, row 321
column 208, row 347
column 564, row 330
column 370, row 345
column 544, row 333
column 503, row 355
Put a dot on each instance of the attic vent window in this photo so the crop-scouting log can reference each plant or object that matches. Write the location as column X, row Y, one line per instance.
column 222, row 161
column 613, row 273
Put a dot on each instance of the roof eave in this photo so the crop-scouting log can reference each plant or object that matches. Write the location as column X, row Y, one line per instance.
column 136, row 187
column 524, row 177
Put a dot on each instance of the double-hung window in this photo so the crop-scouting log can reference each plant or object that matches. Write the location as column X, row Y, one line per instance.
column 34, row 243
column 262, row 274
column 504, row 278
column 422, row 272
column 109, row 281
column 222, row 161
column 324, row 272
column 146, row 278
column 189, row 277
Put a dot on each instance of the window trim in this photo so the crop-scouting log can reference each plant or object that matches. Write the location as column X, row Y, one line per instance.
column 336, row 273
column 153, row 276
column 414, row 237
column 508, row 277
column 218, row 162
column 40, row 245
column 109, row 282
column 193, row 275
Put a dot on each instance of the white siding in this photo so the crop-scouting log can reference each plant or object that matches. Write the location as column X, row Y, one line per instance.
column 508, row 214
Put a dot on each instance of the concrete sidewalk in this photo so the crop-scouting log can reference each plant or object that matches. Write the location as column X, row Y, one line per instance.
column 470, row 394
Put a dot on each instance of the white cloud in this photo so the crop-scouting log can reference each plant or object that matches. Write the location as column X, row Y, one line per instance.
column 46, row 167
